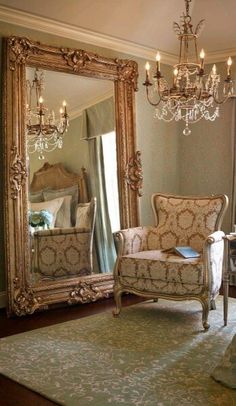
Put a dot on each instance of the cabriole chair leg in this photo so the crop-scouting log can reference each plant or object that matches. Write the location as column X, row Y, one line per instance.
column 205, row 313
column 117, row 297
column 213, row 305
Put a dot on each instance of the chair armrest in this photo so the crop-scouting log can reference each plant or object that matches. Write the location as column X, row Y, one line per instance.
column 215, row 237
column 214, row 254
column 134, row 239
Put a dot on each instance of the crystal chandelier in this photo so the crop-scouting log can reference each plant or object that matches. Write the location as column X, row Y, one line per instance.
column 193, row 95
column 44, row 132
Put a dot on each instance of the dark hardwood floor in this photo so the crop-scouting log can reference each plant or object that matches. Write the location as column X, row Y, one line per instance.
column 60, row 314
column 13, row 394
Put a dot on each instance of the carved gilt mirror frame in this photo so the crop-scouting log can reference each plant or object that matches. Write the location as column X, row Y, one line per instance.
column 23, row 297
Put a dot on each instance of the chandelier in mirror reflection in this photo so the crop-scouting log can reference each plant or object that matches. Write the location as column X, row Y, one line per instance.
column 44, row 131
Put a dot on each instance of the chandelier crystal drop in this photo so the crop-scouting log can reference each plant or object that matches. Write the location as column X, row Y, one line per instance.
column 44, row 132
column 193, row 95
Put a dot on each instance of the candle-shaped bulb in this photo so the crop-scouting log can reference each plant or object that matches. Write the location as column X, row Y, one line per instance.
column 61, row 110
column 175, row 75
column 64, row 106
column 40, row 106
column 147, row 67
column 202, row 54
column 158, row 58
column 229, row 63
column 214, row 69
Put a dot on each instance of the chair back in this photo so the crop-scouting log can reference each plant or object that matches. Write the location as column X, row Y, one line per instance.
column 187, row 220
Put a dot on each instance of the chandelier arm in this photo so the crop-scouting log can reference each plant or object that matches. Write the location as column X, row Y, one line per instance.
column 149, row 100
column 222, row 101
column 199, row 93
column 167, row 120
column 63, row 129
column 52, row 141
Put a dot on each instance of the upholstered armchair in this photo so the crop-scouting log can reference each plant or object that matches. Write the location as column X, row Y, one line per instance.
column 144, row 269
column 63, row 252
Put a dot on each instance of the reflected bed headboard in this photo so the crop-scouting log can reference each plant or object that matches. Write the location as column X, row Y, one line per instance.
column 57, row 177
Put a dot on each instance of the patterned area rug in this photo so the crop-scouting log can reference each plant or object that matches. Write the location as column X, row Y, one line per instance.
column 154, row 354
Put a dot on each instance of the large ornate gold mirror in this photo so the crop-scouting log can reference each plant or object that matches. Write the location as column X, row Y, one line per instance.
column 33, row 184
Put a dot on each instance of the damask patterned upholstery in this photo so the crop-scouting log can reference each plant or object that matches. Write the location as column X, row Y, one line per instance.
column 144, row 269
column 63, row 252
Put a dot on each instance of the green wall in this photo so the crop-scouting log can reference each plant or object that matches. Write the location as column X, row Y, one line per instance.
column 206, row 155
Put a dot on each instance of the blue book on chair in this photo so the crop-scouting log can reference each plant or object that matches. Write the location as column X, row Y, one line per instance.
column 185, row 252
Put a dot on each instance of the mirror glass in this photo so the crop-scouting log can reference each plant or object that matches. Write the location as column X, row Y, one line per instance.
column 89, row 142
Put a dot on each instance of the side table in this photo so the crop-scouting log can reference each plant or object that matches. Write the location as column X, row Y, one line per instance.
column 229, row 255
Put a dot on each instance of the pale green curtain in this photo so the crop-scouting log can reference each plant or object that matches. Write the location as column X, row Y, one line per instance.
column 99, row 120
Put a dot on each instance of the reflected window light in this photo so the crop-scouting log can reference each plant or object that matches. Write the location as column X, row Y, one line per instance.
column 110, row 169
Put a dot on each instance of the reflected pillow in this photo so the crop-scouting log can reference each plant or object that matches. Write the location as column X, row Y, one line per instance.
column 83, row 215
column 69, row 191
column 63, row 219
column 52, row 206
column 36, row 197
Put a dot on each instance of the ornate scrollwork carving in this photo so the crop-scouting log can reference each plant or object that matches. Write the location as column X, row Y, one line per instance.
column 79, row 59
column 76, row 58
column 21, row 48
column 128, row 72
column 17, row 173
column 86, row 292
column 25, row 301
column 134, row 173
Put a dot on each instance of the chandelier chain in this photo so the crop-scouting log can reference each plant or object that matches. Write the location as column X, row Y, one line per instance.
column 187, row 2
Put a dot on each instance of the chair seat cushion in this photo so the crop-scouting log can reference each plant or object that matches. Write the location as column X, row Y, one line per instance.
column 157, row 265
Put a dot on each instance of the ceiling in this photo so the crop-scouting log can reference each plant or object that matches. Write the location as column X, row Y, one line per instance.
column 79, row 92
column 138, row 27
column 141, row 22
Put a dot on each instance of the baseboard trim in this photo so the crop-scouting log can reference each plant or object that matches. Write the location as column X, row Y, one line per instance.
column 3, row 299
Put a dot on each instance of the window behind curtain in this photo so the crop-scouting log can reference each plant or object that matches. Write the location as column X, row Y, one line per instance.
column 110, row 169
